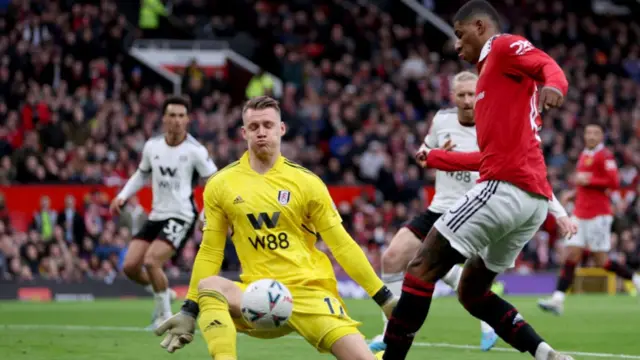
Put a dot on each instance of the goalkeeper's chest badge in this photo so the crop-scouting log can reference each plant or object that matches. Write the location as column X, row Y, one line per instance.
column 284, row 196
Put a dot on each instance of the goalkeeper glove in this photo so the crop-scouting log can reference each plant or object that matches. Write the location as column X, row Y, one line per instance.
column 386, row 300
column 179, row 328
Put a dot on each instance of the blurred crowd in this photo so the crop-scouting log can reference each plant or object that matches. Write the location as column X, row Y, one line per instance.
column 361, row 86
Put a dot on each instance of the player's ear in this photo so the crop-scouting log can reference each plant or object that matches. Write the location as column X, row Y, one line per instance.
column 244, row 132
column 283, row 128
column 480, row 26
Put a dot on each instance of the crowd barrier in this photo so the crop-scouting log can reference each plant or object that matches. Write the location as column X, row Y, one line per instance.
column 588, row 280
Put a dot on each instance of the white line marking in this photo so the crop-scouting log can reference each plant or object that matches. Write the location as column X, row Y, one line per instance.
column 418, row 344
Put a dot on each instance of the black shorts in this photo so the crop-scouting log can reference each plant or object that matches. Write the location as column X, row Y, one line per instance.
column 174, row 231
column 421, row 224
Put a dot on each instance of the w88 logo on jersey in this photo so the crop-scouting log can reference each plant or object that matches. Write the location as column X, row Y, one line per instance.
column 462, row 176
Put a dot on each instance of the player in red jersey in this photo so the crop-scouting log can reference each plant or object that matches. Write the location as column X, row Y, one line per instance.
column 490, row 225
column 597, row 172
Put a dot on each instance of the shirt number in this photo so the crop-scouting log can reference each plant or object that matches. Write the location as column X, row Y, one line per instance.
column 522, row 47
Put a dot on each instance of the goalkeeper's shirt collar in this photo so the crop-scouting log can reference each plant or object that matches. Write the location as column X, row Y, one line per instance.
column 244, row 162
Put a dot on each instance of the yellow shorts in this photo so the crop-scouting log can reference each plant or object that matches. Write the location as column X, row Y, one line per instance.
column 319, row 316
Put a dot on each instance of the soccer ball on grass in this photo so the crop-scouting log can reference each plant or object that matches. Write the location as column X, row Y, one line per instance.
column 267, row 304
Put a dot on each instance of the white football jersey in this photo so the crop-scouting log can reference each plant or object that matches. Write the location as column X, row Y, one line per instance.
column 450, row 186
column 174, row 174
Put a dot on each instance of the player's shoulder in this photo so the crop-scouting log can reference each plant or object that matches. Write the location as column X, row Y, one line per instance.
column 444, row 116
column 511, row 43
column 222, row 175
column 605, row 153
column 303, row 176
column 192, row 141
column 154, row 140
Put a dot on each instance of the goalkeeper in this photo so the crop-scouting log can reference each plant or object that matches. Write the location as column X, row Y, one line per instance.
column 277, row 210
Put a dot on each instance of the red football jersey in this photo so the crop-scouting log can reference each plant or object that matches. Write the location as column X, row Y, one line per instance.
column 593, row 199
column 506, row 111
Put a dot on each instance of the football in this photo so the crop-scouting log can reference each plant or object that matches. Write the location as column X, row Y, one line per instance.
column 267, row 304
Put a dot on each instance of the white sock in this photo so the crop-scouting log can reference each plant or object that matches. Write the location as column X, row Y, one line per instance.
column 393, row 281
column 452, row 278
column 485, row 328
column 149, row 289
column 558, row 296
column 163, row 302
column 543, row 350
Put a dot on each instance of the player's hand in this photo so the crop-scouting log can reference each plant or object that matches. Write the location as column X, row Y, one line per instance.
column 448, row 145
column 567, row 227
column 583, row 178
column 387, row 308
column 179, row 328
column 421, row 155
column 116, row 205
column 550, row 98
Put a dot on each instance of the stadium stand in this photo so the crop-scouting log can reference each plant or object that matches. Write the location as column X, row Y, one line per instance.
column 361, row 87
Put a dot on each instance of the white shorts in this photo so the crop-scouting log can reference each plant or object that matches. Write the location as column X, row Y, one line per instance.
column 594, row 234
column 495, row 220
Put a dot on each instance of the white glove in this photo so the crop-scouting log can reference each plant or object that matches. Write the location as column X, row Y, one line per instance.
column 180, row 328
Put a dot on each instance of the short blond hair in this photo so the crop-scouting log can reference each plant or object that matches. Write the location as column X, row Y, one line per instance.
column 463, row 76
column 261, row 103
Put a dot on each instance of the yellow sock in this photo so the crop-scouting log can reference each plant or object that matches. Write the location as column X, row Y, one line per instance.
column 216, row 325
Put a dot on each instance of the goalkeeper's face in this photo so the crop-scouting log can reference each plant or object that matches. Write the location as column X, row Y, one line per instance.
column 263, row 130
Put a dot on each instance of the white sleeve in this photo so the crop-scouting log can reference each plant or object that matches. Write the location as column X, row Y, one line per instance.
column 145, row 162
column 556, row 209
column 204, row 164
column 135, row 183
column 139, row 178
column 431, row 140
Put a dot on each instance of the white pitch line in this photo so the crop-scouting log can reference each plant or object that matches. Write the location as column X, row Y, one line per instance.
column 418, row 344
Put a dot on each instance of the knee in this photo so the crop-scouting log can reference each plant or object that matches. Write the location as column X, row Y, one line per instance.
column 392, row 261
column 574, row 255
column 469, row 298
column 215, row 283
column 131, row 269
column 152, row 261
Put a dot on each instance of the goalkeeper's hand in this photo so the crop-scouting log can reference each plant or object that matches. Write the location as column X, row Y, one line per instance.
column 179, row 328
column 387, row 308
column 386, row 300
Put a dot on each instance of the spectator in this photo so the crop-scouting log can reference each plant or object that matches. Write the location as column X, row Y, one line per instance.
column 71, row 221
column 45, row 219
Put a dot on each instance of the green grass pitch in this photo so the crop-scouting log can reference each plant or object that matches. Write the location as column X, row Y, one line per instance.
column 603, row 327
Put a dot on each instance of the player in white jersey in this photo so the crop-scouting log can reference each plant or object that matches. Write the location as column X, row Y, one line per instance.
column 450, row 127
column 173, row 161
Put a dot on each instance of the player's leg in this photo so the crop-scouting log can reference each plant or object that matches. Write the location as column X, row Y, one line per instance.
column 395, row 259
column 170, row 239
column 321, row 318
column 467, row 234
column 572, row 256
column 434, row 259
column 154, row 259
column 220, row 302
column 133, row 260
column 351, row 347
column 475, row 294
column 599, row 242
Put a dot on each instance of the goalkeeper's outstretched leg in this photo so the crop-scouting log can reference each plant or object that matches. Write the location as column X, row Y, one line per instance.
column 219, row 300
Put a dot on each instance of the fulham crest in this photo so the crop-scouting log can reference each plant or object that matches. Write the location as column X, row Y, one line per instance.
column 284, row 196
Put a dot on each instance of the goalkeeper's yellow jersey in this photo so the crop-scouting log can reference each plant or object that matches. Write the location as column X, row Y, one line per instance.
column 275, row 219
